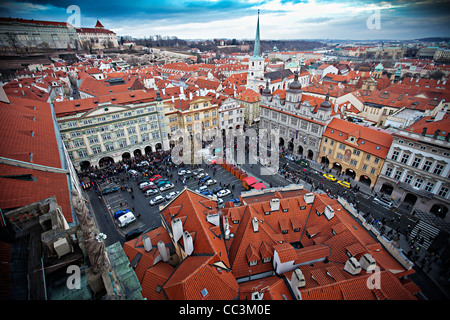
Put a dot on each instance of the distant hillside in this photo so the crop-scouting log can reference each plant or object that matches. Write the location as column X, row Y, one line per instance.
column 434, row 39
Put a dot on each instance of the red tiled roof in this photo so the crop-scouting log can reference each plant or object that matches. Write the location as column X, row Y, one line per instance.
column 27, row 127
column 197, row 279
column 376, row 141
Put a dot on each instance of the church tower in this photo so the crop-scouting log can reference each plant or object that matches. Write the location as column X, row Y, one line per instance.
column 255, row 76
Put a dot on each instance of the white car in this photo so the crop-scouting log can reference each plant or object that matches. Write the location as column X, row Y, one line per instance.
column 223, row 193
column 151, row 192
column 157, row 200
column 201, row 175
column 167, row 187
column 202, row 188
column 181, row 172
column 210, row 182
column 144, row 184
column 171, row 195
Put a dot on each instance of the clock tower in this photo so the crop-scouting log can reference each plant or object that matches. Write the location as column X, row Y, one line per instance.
column 255, row 76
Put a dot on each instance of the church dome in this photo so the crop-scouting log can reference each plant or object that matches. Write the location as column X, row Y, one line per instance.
column 295, row 85
column 326, row 104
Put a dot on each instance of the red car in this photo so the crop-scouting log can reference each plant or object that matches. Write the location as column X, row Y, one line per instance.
column 144, row 189
column 155, row 177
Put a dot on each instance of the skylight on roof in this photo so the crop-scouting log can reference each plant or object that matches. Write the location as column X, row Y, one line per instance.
column 204, row 292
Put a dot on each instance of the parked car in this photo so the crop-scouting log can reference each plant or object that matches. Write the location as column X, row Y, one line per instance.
column 344, row 184
column 201, row 175
column 329, row 177
column 304, row 163
column 197, row 171
column 206, row 193
column 205, row 178
column 142, row 163
column 157, row 200
column 223, row 193
column 217, row 189
column 149, row 187
column 126, row 219
column 201, row 189
column 133, row 234
column 151, row 192
column 133, row 172
column 235, row 200
column 182, row 172
column 385, row 203
column 161, row 183
column 119, row 213
column 289, row 157
column 109, row 190
column 172, row 195
column 144, row 184
column 167, row 187
column 155, row 177
column 210, row 182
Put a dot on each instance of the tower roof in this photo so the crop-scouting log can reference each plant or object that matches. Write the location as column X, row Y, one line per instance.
column 99, row 25
column 257, row 48
column 295, row 85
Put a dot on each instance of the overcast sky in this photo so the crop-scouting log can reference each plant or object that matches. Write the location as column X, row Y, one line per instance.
column 279, row 19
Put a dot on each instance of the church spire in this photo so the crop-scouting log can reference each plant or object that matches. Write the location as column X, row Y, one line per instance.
column 257, row 50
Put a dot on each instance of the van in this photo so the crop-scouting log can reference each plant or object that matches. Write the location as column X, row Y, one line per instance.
column 120, row 213
column 126, row 219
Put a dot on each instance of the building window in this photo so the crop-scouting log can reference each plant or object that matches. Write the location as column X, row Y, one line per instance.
column 82, row 153
column 376, row 160
column 96, row 150
column 429, row 187
column 427, row 165
column 408, row 178
column 353, row 162
column 443, row 192
column 418, row 183
column 405, row 158
column 398, row 174
column 416, row 162
column 356, row 152
column 438, row 169
column 339, row 156
column 93, row 140
column 342, row 146
column 395, row 155
column 372, row 171
column 388, row 172
column 368, row 157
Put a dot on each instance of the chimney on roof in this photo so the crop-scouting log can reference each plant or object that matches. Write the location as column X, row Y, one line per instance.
column 163, row 251
column 147, row 242
column 352, row 266
column 255, row 224
column 297, row 280
column 436, row 133
column 368, row 263
column 424, row 131
column 275, row 204
column 329, row 212
column 309, row 198
column 177, row 229
column 188, row 243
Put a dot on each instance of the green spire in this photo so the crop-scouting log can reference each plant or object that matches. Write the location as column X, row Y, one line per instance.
column 257, row 50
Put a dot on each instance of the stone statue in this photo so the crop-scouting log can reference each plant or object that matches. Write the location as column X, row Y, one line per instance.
column 96, row 249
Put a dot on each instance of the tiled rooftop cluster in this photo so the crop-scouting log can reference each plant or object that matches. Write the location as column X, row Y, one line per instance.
column 281, row 244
